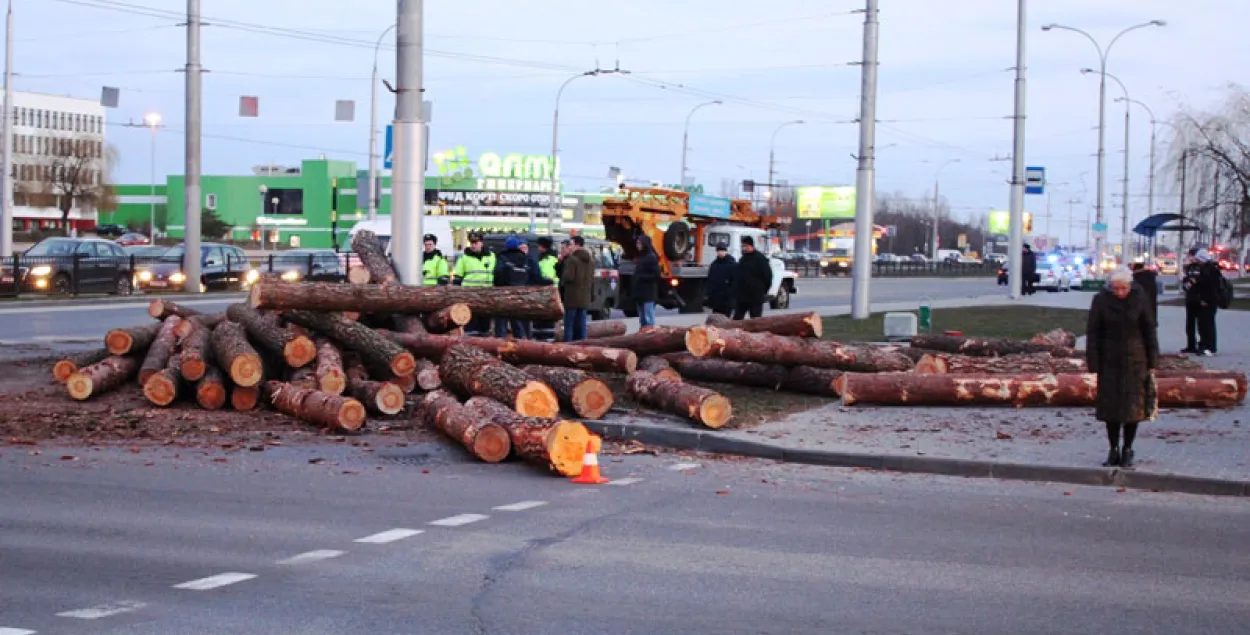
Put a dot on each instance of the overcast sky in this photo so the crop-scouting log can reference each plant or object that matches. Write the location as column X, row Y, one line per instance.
column 945, row 85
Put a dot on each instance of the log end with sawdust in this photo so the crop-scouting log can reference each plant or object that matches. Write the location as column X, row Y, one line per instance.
column 693, row 402
column 556, row 444
column 588, row 397
column 470, row 371
column 101, row 377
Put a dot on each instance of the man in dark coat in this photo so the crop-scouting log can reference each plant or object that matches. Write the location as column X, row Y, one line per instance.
column 1210, row 279
column 1122, row 349
column 578, row 276
column 720, row 281
column 1193, row 303
column 752, row 280
column 1028, row 263
column 646, row 284
column 514, row 268
column 1148, row 280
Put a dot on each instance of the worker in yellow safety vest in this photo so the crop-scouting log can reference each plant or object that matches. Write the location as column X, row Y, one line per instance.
column 547, row 261
column 475, row 268
column 434, row 269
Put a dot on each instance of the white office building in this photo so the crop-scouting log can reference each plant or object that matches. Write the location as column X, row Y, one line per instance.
column 58, row 153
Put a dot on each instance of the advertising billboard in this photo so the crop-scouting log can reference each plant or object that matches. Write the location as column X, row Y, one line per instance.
column 709, row 206
column 1000, row 222
column 821, row 201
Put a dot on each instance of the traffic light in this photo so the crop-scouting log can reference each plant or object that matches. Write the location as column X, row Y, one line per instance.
column 748, row 186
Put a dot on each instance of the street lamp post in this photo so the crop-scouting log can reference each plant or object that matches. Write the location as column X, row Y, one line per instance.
column 372, row 196
column 555, row 146
column 6, row 130
column 1154, row 124
column 772, row 156
column 264, row 192
column 1102, row 111
column 685, row 138
column 1126, row 256
column 153, row 121
column 937, row 175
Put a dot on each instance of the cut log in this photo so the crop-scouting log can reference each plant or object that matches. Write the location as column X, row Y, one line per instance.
column 651, row 340
column 210, row 390
column 521, row 303
column 812, row 381
column 557, row 445
column 448, row 318
column 409, row 324
column 132, row 341
column 717, row 319
column 1056, row 337
column 596, row 329
column 244, row 399
column 235, row 355
column 62, row 369
column 766, row 348
column 162, row 348
column 380, row 397
column 160, row 309
column 427, row 376
column 585, row 396
column 196, row 351
column 770, row 376
column 101, row 377
column 316, row 407
column 486, row 440
column 380, row 354
column 330, row 374
column 305, row 377
column 896, row 389
column 986, row 346
column 1178, row 362
column 1236, row 376
column 209, row 322
column 408, row 384
column 297, row 350
column 1043, row 363
column 595, row 358
column 1201, row 391
column 377, row 267
column 687, row 400
column 469, row 371
column 660, row 367
column 791, row 324
column 162, row 388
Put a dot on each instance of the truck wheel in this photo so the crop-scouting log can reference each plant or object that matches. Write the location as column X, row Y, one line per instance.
column 677, row 241
column 782, row 299
column 694, row 294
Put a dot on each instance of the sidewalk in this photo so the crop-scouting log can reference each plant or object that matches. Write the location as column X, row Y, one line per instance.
column 1198, row 451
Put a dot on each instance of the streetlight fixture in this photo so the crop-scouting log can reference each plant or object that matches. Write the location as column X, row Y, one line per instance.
column 1124, row 210
column 1154, row 124
column 1102, row 110
column 685, row 138
column 153, row 121
column 372, row 196
column 936, row 176
column 772, row 155
column 555, row 145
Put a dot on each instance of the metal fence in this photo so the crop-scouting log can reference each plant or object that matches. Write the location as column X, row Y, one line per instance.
column 812, row 269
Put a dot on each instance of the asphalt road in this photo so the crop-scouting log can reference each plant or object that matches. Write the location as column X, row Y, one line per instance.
column 148, row 544
column 89, row 321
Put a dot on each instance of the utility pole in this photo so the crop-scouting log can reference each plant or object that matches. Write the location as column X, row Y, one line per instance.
column 6, row 190
column 865, row 181
column 1015, row 240
column 685, row 140
column 372, row 197
column 1180, row 233
column 408, row 171
column 1126, row 252
column 191, row 187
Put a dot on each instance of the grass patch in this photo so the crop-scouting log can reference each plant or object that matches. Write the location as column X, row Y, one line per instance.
column 1017, row 322
column 1239, row 304
column 751, row 406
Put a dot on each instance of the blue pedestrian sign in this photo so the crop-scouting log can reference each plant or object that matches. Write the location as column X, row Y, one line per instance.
column 1034, row 179
column 390, row 147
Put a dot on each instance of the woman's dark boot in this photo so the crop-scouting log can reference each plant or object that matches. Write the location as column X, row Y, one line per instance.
column 1113, row 458
column 1126, row 457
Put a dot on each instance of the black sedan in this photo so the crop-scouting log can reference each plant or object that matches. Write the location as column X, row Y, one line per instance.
column 313, row 265
column 69, row 265
column 221, row 266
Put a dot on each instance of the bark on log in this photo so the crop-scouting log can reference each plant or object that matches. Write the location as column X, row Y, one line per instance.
column 1178, row 362
column 305, row 377
column 132, row 341
column 717, row 319
column 101, row 377
column 694, row 402
column 585, row 396
column 470, row 371
column 329, row 371
column 659, row 366
column 770, row 376
column 596, row 329
column 1056, row 337
column 62, row 369
column 521, row 303
column 208, row 322
column 162, row 348
column 235, row 355
column 896, row 389
column 377, row 266
column 1201, row 391
column 448, row 318
column 244, row 398
column 196, row 352
column 380, row 397
column 812, row 381
column 557, row 445
column 160, row 309
column 741, row 346
column 379, row 353
column 651, row 340
column 210, row 390
column 314, row 406
column 1043, row 363
column 483, row 439
column 409, row 324
column 802, row 379
column 407, row 384
column 162, row 388
column 297, row 350
column 986, row 346
column 790, row 324
column 427, row 376
column 595, row 358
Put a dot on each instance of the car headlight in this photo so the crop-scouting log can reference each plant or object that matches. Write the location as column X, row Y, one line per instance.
column 178, row 278
column 41, row 271
column 145, row 276
column 824, row 263
column 252, row 276
column 291, row 276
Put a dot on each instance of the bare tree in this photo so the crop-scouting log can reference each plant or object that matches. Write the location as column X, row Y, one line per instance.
column 72, row 173
column 1210, row 158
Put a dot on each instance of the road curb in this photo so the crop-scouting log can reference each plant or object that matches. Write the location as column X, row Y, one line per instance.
column 136, row 300
column 704, row 441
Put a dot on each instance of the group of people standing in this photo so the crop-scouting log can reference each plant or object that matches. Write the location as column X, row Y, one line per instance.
column 738, row 288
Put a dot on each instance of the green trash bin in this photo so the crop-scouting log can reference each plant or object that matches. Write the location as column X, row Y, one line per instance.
column 1093, row 285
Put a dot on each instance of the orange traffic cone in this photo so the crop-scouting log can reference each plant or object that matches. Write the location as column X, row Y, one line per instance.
column 590, row 466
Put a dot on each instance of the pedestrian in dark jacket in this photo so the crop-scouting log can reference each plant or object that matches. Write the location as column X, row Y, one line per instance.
column 1148, row 280
column 1122, row 349
column 514, row 268
column 720, row 281
column 753, row 277
column 578, row 276
column 1193, row 304
column 646, row 280
column 1028, row 263
column 1210, row 279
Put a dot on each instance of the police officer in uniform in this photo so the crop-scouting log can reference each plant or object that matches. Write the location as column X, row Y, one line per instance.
column 475, row 268
column 434, row 269
column 547, row 263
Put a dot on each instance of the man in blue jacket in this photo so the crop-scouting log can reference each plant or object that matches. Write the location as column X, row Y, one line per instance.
column 514, row 268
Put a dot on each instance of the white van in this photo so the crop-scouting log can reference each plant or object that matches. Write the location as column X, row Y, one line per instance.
column 439, row 226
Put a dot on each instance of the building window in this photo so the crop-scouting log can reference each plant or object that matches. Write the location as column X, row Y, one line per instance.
column 290, row 201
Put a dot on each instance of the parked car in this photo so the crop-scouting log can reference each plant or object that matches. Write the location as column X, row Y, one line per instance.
column 109, row 230
column 1052, row 277
column 605, row 293
column 70, row 265
column 221, row 267
column 144, row 252
column 1076, row 277
column 133, row 238
column 313, row 265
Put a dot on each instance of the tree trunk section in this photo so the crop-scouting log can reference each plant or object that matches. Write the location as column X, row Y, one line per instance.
column 413, row 324
column 521, row 303
column 427, row 376
column 70, row 365
column 1178, row 362
column 132, row 341
column 297, row 350
column 208, row 322
column 986, row 346
column 585, row 396
column 597, row 329
column 235, row 355
column 660, row 367
column 470, row 371
column 557, row 445
column 316, row 407
column 160, row 351
column 305, row 377
column 1056, row 337
column 101, row 377
column 1201, row 391
column 693, row 402
column 595, row 358
column 210, row 390
column 448, row 318
column 651, row 340
column 483, row 439
column 380, row 397
column 812, row 381
column 899, row 389
column 766, row 348
column 161, row 309
column 196, row 351
column 380, row 354
column 330, row 374
column 789, row 324
column 717, row 319
column 367, row 246
column 770, row 376
column 945, row 363
column 244, row 399
column 161, row 389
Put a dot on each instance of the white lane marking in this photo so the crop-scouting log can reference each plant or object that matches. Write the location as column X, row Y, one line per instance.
column 15, row 631
column 213, row 582
column 104, row 610
column 456, row 521
column 390, row 535
column 521, row 506
column 682, row 467
column 312, row 556
column 625, row 481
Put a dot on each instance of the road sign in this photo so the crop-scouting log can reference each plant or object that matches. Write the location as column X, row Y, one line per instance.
column 1034, row 180
column 390, row 146
column 1100, row 227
